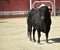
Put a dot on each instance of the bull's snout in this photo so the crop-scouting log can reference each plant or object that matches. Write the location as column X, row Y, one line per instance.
column 42, row 17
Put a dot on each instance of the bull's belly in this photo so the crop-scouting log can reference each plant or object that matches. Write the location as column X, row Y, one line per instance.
column 42, row 28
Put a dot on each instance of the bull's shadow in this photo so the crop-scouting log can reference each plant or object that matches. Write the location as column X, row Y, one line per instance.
column 55, row 40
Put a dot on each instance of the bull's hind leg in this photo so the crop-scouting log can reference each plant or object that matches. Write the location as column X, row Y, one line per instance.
column 34, row 34
column 29, row 32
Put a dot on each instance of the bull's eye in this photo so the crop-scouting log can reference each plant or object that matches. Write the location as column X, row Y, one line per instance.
column 42, row 11
column 42, row 17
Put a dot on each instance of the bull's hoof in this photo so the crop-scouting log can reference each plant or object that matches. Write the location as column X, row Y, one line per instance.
column 38, row 41
column 30, row 39
column 34, row 40
column 47, row 41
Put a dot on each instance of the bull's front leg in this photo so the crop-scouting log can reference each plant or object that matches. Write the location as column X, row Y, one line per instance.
column 39, row 35
column 47, row 37
column 47, row 32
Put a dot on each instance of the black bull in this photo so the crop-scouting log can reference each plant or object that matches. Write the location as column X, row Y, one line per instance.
column 39, row 20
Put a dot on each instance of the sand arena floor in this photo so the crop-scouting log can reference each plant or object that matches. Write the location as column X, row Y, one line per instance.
column 13, row 35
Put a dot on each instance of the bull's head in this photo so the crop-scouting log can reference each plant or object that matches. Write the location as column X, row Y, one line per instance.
column 44, row 12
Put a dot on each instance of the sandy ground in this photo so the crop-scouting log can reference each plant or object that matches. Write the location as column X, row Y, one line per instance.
column 13, row 35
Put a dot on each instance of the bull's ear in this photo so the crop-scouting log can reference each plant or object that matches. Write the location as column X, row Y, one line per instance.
column 39, row 9
column 50, row 10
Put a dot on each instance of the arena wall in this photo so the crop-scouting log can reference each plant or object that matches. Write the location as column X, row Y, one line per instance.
column 18, row 8
column 10, row 8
